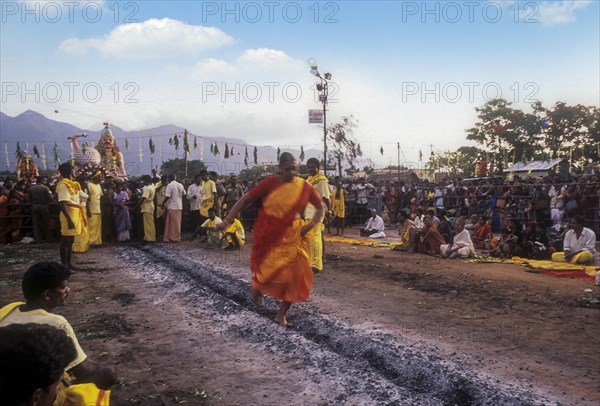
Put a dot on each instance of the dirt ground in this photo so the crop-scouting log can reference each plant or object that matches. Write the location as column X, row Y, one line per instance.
column 382, row 327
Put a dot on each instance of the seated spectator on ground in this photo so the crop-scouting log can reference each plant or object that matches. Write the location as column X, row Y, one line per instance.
column 579, row 244
column 407, row 232
column 34, row 358
column 45, row 288
column 535, row 241
column 234, row 235
column 470, row 224
column 462, row 246
column 375, row 226
column 213, row 236
column 431, row 239
column 418, row 219
column 445, row 227
column 435, row 220
column 482, row 232
column 504, row 246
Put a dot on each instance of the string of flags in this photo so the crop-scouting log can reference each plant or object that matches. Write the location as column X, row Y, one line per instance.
column 175, row 140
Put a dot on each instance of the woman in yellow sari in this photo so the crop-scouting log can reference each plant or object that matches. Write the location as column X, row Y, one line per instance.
column 279, row 261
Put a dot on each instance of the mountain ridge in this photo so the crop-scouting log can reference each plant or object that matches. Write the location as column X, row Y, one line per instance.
column 32, row 128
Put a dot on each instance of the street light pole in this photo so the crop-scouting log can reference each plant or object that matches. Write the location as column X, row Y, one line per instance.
column 323, row 88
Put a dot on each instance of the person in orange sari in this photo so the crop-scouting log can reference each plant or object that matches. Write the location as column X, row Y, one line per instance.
column 431, row 239
column 279, row 261
column 482, row 232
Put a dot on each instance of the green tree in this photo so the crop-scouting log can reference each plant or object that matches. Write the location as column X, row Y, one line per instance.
column 340, row 138
column 504, row 131
column 565, row 128
column 177, row 167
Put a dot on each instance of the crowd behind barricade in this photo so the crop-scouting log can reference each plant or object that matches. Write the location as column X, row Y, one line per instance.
column 522, row 217
column 504, row 218
column 114, row 208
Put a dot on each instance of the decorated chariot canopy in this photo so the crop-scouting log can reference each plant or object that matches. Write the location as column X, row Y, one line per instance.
column 105, row 158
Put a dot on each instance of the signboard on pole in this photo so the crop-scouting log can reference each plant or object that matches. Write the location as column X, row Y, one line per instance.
column 315, row 116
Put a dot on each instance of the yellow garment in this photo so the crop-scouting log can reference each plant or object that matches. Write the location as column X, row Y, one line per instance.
column 321, row 185
column 86, row 394
column 95, row 228
column 81, row 243
column 315, row 247
column 358, row 241
column 208, row 197
column 405, row 241
column 11, row 314
column 68, row 192
column 95, row 195
column 282, row 270
column 160, row 199
column 213, row 236
column 148, row 195
column 338, row 206
column 73, row 187
column 149, row 229
column 237, row 229
column 584, row 257
column 554, row 265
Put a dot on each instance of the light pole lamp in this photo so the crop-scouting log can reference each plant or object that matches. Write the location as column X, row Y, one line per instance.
column 323, row 89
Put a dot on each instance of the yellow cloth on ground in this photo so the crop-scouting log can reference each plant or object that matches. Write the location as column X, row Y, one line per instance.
column 357, row 241
column 555, row 266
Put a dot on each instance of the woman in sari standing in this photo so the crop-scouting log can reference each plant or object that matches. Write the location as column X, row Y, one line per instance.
column 123, row 218
column 279, row 261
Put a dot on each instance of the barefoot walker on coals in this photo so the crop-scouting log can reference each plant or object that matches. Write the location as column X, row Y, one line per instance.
column 279, row 261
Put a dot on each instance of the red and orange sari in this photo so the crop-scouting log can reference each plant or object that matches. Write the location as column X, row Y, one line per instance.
column 279, row 262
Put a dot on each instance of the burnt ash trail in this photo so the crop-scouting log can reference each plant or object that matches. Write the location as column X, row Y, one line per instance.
column 372, row 366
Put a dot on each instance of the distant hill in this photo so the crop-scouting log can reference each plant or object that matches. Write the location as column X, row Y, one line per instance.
column 31, row 128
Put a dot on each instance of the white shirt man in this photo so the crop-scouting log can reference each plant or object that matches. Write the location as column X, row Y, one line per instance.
column 375, row 226
column 175, row 192
column 579, row 244
column 174, row 204
column 194, row 194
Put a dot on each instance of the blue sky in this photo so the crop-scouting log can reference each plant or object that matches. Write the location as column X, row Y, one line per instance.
column 409, row 71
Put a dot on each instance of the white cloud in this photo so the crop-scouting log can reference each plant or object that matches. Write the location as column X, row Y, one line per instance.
column 257, row 62
column 214, row 67
column 151, row 39
column 560, row 12
column 265, row 58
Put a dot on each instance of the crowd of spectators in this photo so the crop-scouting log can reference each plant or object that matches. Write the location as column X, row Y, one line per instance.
column 29, row 210
column 514, row 215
